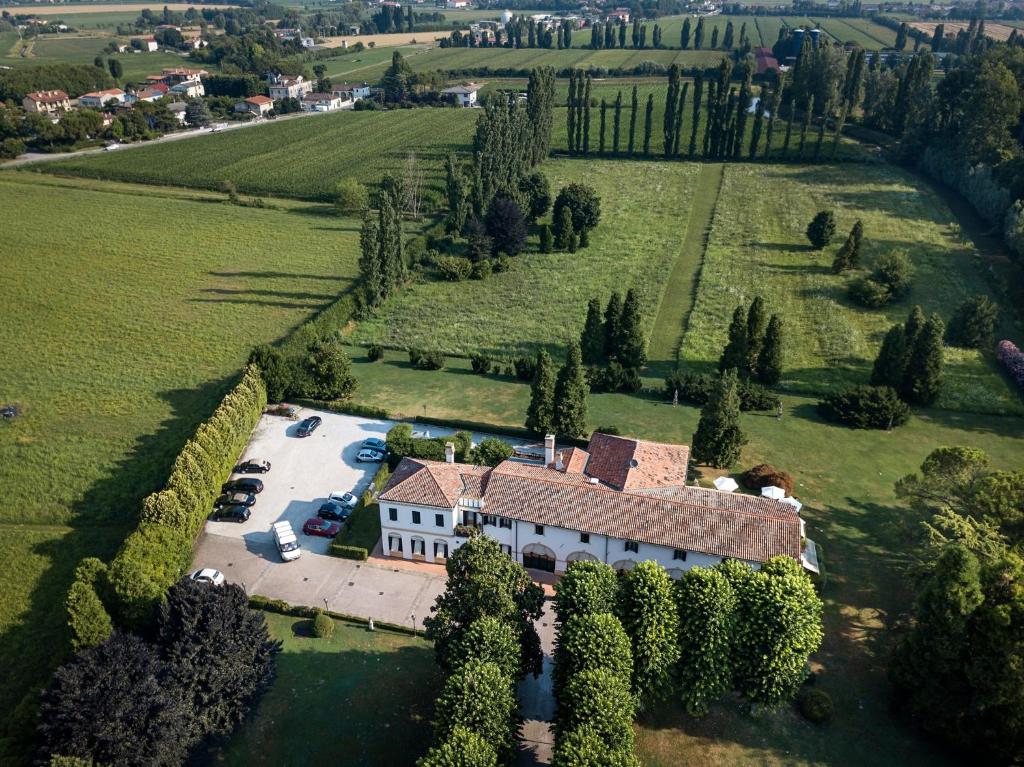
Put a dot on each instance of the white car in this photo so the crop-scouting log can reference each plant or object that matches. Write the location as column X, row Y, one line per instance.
column 345, row 499
column 111, row 147
column 208, row 575
column 370, row 456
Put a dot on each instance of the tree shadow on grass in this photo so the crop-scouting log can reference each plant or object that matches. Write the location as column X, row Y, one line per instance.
column 280, row 275
column 34, row 645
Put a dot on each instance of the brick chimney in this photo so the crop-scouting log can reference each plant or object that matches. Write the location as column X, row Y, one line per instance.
column 449, row 452
column 549, row 449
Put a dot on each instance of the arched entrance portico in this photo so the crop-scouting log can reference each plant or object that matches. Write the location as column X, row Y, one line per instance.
column 581, row 556
column 623, row 566
column 539, row 557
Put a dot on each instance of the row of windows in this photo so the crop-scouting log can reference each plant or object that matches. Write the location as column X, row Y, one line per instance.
column 490, row 519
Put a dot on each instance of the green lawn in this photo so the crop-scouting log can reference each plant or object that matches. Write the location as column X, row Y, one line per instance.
column 758, row 246
column 845, row 479
column 128, row 313
column 303, row 157
column 360, row 698
column 542, row 299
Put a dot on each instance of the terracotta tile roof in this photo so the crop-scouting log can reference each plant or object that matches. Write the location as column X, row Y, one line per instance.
column 48, row 97
column 576, row 460
column 630, row 464
column 259, row 100
column 434, row 483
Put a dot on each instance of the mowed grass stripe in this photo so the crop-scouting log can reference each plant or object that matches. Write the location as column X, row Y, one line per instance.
column 677, row 302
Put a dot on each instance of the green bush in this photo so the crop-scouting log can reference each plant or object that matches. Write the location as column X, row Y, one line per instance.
column 151, row 560
column 973, row 324
column 480, row 363
column 613, row 378
column 357, row 553
column 375, row 352
column 323, row 627
column 866, row 292
column 453, row 268
column 696, row 388
column 502, row 264
column 865, row 407
column 481, row 270
column 88, row 619
column 349, row 408
column 814, row 705
column 889, row 280
column 524, row 367
column 822, row 229
column 426, row 360
column 351, row 197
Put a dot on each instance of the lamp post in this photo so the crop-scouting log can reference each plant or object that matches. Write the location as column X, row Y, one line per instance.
column 326, row 608
column 413, row 616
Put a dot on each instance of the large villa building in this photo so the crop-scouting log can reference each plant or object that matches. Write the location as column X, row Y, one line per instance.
column 621, row 501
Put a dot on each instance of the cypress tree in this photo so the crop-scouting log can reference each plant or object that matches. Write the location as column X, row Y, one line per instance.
column 677, row 129
column 714, row 38
column 848, row 256
column 612, row 321
column 579, row 111
column 698, row 93
column 735, row 356
column 712, row 86
column 757, row 322
column 586, row 117
column 392, row 260
column 912, row 327
column 540, row 416
column 671, row 96
column 571, row 391
column 755, row 136
column 616, row 123
column 821, row 130
column 609, row 36
column 570, row 120
column 636, row 32
column 622, row 34
column 742, row 105
column 773, row 113
column 634, row 108
column 648, row 113
column 604, row 110
column 369, row 262
column 769, row 362
column 546, row 239
column 631, row 346
column 595, row 36
column 923, row 378
column 727, row 38
column 698, row 34
column 684, row 36
column 789, row 125
column 574, row 242
column 719, row 438
column 804, row 125
column 891, row 362
column 563, row 229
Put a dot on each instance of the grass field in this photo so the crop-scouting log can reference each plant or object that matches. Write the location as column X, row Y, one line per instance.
column 542, row 300
column 845, row 479
column 758, row 245
column 358, row 697
column 129, row 312
column 303, row 158
column 83, row 50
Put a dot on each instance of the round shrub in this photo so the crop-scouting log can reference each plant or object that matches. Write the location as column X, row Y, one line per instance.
column 453, row 268
column 481, row 270
column 323, row 626
column 866, row 292
column 501, row 264
column 814, row 705
column 766, row 475
column 974, row 323
column 822, row 229
column 351, row 197
column 865, row 407
column 375, row 352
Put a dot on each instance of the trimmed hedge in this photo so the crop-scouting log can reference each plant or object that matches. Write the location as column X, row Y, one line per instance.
column 154, row 557
column 865, row 407
column 357, row 553
column 347, row 407
column 323, row 626
column 88, row 619
column 279, row 606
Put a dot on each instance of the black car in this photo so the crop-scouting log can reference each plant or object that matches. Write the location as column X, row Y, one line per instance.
column 234, row 499
column 243, row 485
column 253, row 466
column 233, row 513
column 334, row 511
column 309, row 426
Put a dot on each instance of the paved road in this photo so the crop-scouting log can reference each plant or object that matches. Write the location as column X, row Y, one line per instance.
column 536, row 700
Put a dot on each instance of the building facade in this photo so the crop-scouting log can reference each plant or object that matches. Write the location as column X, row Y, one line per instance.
column 620, row 501
column 283, row 87
column 46, row 102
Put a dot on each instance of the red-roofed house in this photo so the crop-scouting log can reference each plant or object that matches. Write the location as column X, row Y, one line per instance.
column 257, row 105
column 620, row 501
column 765, row 60
column 46, row 102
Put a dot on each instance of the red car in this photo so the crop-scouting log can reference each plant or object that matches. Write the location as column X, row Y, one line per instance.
column 321, row 527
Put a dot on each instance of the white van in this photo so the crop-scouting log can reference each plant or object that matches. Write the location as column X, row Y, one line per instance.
column 286, row 541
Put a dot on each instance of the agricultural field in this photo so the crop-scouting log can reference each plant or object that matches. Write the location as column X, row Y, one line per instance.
column 357, row 691
column 542, row 300
column 64, row 49
column 862, row 31
column 129, row 313
column 303, row 158
column 757, row 245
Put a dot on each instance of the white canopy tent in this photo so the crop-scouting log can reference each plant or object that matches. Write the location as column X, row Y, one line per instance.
column 726, row 484
column 773, row 492
column 794, row 503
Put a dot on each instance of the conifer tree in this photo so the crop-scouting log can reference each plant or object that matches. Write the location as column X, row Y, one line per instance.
column 791, row 109
column 604, row 110
column 563, row 228
column 579, row 111
column 714, row 38
column 821, row 130
column 698, row 35
column 757, row 323
column 848, row 255
column 586, row 117
column 804, row 125
column 634, row 108
column 923, row 377
column 891, row 362
column 571, row 391
column 570, row 118
column 755, row 135
column 698, row 93
column 574, row 242
column 369, row 262
column 622, row 34
column 727, row 38
column 684, row 36
column 742, row 106
column 612, row 320
column 677, row 129
column 913, row 326
column 671, row 95
column 648, row 113
column 769, row 362
column 712, row 101
column 735, row 356
column 630, row 349
column 773, row 113
column 617, row 123
column 540, row 416
column 719, row 438
column 592, row 338
column 546, row 239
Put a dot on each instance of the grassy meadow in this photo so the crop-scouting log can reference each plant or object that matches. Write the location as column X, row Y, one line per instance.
column 130, row 311
column 303, row 158
column 758, row 245
column 357, row 693
column 542, row 299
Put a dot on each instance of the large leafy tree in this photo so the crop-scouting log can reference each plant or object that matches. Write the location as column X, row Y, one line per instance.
column 719, row 438
column 591, row 641
column 113, row 704
column 462, row 748
column 220, row 653
column 586, row 587
column 584, row 747
column 491, row 640
column 707, row 616
column 482, row 582
column 506, row 226
column 540, row 416
column 328, row 371
column 601, row 699
column 571, row 392
column 648, row 613
column 480, row 697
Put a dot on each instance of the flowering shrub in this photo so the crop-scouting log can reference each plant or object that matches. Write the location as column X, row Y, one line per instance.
column 1013, row 358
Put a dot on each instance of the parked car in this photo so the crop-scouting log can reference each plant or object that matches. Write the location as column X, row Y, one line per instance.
column 308, row 426
column 111, row 147
column 370, row 456
column 287, row 543
column 333, row 511
column 243, row 485
column 232, row 513
column 345, row 499
column 208, row 575
column 321, row 527
column 253, row 466
column 235, row 499
column 375, row 443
